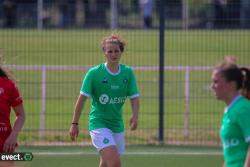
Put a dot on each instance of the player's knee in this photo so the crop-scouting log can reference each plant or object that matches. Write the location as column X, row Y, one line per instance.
column 115, row 163
column 102, row 163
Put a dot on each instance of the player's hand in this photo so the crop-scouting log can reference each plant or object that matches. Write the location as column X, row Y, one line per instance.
column 133, row 123
column 10, row 143
column 73, row 132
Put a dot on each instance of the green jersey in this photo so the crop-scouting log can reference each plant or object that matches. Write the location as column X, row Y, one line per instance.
column 108, row 92
column 235, row 132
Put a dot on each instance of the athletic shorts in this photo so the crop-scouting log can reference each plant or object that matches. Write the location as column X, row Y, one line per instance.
column 104, row 137
column 1, row 148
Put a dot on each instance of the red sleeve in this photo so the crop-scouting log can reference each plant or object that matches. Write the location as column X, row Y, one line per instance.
column 16, row 99
column 248, row 96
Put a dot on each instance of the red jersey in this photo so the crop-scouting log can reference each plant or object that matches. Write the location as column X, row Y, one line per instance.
column 9, row 97
column 248, row 96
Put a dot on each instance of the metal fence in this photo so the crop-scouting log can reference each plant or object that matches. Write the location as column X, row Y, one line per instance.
column 123, row 14
column 50, row 51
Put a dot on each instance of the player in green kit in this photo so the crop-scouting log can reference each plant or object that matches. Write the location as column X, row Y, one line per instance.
column 108, row 84
column 227, row 82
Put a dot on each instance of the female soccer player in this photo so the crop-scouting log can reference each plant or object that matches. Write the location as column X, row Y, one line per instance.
column 227, row 81
column 9, row 98
column 108, row 84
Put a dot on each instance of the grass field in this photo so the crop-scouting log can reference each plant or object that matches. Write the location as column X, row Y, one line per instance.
column 146, row 156
column 82, row 47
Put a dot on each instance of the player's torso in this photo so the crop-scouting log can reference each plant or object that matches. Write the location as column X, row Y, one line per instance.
column 5, row 108
column 5, row 99
column 109, row 92
column 233, row 140
column 231, row 133
column 110, row 89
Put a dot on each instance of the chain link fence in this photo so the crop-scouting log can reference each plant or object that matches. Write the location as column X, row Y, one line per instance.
column 51, row 46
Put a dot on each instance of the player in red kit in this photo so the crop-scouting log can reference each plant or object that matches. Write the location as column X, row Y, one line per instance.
column 9, row 98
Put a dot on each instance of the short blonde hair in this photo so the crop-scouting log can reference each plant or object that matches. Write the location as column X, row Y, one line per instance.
column 116, row 39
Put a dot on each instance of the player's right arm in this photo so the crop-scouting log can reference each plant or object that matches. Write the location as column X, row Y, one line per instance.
column 85, row 92
column 74, row 129
column 10, row 143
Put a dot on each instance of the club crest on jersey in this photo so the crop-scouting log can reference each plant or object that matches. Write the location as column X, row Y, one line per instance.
column 1, row 91
column 125, row 80
column 105, row 141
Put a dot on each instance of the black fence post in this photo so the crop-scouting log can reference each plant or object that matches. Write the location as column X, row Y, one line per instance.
column 161, row 72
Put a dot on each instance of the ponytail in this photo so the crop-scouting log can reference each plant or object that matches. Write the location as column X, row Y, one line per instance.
column 246, row 81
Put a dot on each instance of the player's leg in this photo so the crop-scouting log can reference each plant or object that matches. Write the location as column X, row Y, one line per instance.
column 7, row 164
column 110, row 157
column 114, row 151
column 103, row 141
column 102, row 163
column 5, row 131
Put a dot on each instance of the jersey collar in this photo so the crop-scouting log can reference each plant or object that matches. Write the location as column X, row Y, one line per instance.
column 111, row 73
column 232, row 103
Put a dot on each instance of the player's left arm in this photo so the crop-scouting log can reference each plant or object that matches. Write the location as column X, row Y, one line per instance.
column 10, row 143
column 243, row 121
column 134, row 98
column 247, row 161
column 135, row 105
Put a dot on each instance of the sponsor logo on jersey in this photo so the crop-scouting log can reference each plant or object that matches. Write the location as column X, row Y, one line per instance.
column 105, row 99
column 230, row 143
column 115, row 87
column 3, row 127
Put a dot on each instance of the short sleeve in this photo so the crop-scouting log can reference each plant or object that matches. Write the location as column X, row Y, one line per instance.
column 243, row 119
column 86, row 88
column 15, row 98
column 132, row 87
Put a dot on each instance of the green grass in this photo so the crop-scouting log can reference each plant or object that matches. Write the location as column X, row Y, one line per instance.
column 82, row 47
column 128, row 161
column 147, row 156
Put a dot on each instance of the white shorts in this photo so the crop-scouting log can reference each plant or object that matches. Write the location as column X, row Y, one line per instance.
column 104, row 137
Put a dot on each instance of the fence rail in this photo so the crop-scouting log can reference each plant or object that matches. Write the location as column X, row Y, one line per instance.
column 45, row 68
